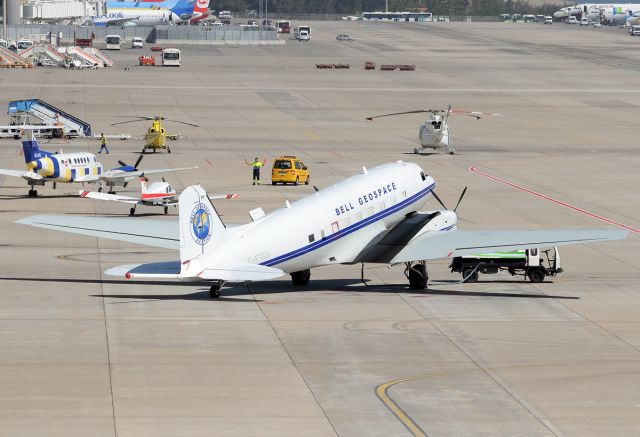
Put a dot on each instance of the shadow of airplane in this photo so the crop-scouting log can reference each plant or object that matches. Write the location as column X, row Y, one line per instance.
column 277, row 287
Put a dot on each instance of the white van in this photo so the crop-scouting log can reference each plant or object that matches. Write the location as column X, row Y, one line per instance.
column 548, row 19
column 112, row 42
column 635, row 31
column 584, row 22
column 137, row 43
column 571, row 20
column 171, row 58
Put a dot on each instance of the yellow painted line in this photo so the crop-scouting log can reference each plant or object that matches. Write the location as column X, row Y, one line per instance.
column 408, row 422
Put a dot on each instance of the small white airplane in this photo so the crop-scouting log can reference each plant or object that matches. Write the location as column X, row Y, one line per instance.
column 434, row 133
column 372, row 217
column 83, row 167
column 154, row 194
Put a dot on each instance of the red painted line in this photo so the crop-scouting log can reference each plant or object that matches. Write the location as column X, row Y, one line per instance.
column 551, row 199
column 208, row 162
column 335, row 154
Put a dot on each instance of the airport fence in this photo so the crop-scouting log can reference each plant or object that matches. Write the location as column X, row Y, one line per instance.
column 175, row 34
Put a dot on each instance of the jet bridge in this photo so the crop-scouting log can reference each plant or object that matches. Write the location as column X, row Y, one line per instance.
column 50, row 115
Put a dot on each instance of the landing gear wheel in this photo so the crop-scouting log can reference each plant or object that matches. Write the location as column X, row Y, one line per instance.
column 111, row 192
column 418, row 276
column 99, row 189
column 166, row 210
column 301, row 278
column 168, row 150
column 144, row 150
column 452, row 151
column 416, row 151
column 214, row 291
column 297, row 181
column 470, row 274
column 536, row 275
column 33, row 193
column 132, row 212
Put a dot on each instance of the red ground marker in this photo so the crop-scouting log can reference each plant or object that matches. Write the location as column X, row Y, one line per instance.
column 550, row 199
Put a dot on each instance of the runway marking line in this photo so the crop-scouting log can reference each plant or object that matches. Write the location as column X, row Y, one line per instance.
column 556, row 201
column 208, row 162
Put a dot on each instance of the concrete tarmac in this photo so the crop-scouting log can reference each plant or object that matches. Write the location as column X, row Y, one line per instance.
column 82, row 353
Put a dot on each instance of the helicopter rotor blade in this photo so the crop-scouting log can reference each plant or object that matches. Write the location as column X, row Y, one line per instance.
column 446, row 118
column 128, row 121
column 400, row 113
column 460, row 199
column 183, row 122
column 138, row 162
column 438, row 199
column 475, row 114
column 122, row 163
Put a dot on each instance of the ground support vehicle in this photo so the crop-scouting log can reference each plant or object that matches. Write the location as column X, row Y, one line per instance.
column 531, row 263
column 289, row 170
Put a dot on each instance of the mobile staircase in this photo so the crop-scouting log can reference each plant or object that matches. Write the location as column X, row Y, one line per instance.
column 49, row 114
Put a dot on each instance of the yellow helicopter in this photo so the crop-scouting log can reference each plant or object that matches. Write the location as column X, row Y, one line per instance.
column 156, row 136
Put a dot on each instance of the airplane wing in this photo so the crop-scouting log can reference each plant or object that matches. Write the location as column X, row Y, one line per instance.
column 234, row 271
column 157, row 233
column 87, row 178
column 446, row 244
column 28, row 175
column 106, row 196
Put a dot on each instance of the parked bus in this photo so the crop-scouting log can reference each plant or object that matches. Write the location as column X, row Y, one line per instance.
column 112, row 42
column 171, row 58
column 284, row 26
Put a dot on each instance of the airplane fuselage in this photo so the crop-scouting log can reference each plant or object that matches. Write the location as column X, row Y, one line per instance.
column 66, row 167
column 348, row 217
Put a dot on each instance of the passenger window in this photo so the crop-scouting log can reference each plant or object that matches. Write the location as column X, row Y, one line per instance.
column 297, row 165
column 312, row 238
column 422, row 175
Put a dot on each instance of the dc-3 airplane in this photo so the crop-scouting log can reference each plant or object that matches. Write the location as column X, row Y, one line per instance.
column 434, row 132
column 372, row 217
column 83, row 167
column 154, row 194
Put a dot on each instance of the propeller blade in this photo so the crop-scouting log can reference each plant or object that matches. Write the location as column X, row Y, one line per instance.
column 125, row 185
column 418, row 111
column 122, row 163
column 460, row 199
column 182, row 122
column 438, row 199
column 138, row 162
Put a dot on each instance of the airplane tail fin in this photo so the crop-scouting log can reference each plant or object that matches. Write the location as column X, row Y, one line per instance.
column 31, row 150
column 202, row 6
column 201, row 229
column 144, row 188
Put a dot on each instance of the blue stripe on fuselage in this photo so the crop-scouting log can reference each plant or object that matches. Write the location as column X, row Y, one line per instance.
column 349, row 229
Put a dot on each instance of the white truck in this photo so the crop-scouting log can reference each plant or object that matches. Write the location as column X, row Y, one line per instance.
column 529, row 263
column 302, row 33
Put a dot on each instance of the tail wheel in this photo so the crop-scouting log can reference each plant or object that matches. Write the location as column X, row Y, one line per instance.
column 166, row 210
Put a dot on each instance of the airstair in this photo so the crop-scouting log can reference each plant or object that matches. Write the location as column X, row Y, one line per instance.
column 50, row 115
column 43, row 50
column 10, row 59
column 108, row 62
column 87, row 58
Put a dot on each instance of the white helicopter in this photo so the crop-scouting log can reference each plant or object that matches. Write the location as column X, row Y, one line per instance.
column 154, row 194
column 434, row 133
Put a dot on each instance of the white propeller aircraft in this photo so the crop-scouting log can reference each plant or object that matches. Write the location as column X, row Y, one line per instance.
column 154, row 194
column 434, row 133
column 373, row 217
column 83, row 167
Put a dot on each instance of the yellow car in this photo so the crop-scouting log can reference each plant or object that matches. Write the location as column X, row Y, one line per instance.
column 289, row 169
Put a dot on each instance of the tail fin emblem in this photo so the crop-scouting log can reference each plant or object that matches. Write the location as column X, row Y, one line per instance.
column 201, row 224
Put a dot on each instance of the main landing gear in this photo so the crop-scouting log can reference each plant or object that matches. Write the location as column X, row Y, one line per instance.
column 33, row 193
column 301, row 278
column 214, row 291
column 417, row 275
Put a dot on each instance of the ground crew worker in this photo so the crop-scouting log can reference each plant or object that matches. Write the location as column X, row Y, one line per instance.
column 256, row 164
column 103, row 143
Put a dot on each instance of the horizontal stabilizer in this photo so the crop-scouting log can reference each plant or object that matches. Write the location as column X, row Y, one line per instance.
column 239, row 272
column 459, row 243
column 157, row 233
column 28, row 175
column 160, row 270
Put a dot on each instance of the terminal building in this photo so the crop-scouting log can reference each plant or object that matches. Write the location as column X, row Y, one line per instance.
column 51, row 10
